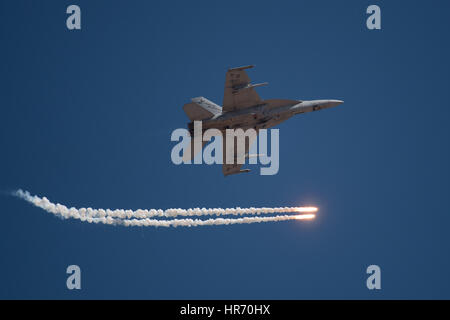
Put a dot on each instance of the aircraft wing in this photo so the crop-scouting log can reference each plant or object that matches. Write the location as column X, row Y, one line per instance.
column 239, row 92
column 229, row 169
column 235, row 167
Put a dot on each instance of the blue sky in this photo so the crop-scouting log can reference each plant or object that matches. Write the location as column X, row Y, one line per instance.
column 86, row 118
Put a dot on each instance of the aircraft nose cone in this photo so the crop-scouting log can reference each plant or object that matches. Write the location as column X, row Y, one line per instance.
column 333, row 103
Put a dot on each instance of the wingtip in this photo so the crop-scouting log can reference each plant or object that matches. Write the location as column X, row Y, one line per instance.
column 241, row 68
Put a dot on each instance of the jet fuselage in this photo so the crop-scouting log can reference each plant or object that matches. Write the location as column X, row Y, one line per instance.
column 263, row 116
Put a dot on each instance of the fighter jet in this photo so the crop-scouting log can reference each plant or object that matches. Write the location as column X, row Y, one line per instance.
column 243, row 108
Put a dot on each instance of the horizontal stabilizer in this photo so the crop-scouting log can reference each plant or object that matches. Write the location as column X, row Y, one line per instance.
column 201, row 108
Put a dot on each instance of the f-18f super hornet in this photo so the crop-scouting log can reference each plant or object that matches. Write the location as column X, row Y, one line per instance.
column 243, row 108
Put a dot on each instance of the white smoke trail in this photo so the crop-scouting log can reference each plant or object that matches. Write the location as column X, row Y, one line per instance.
column 212, row 222
column 141, row 217
column 45, row 204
